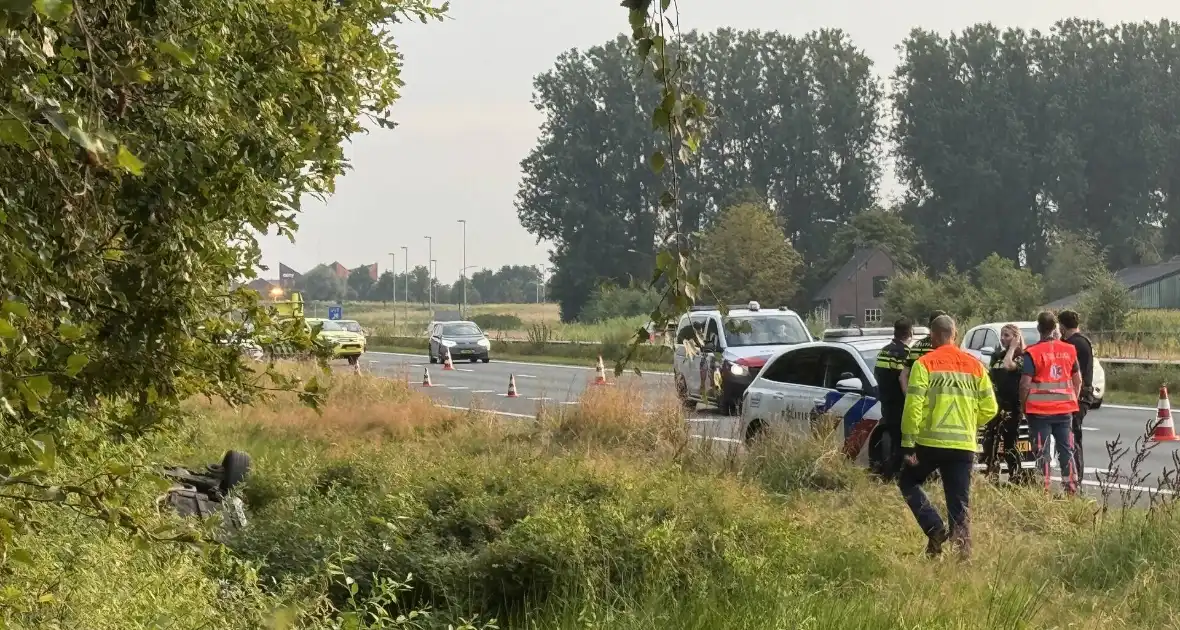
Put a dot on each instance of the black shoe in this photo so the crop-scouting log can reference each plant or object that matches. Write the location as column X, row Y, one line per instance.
column 934, row 545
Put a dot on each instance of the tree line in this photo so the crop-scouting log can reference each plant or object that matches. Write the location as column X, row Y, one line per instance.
column 511, row 284
column 1007, row 142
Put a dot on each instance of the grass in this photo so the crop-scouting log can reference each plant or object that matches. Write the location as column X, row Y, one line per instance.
column 603, row 515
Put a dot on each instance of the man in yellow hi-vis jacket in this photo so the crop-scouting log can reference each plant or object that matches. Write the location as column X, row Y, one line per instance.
column 949, row 397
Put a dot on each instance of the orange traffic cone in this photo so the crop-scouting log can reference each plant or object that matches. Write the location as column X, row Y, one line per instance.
column 512, row 386
column 447, row 364
column 600, row 372
column 426, row 378
column 1165, row 430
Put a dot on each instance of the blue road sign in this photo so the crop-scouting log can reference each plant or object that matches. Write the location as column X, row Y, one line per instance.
column 335, row 312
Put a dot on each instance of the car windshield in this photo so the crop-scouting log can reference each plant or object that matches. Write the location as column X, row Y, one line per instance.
column 351, row 326
column 773, row 330
column 330, row 326
column 1031, row 336
column 461, row 330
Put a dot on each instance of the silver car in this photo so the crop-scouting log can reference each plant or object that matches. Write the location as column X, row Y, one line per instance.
column 464, row 339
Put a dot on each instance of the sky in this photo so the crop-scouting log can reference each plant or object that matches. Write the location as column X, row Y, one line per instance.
column 465, row 119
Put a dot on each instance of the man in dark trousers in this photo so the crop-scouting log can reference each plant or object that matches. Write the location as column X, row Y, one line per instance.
column 1049, row 390
column 1071, row 334
column 890, row 362
column 950, row 395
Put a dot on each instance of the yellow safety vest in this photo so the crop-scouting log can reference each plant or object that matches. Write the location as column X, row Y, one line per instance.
column 949, row 396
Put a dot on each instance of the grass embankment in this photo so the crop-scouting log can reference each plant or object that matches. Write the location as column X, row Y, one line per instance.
column 605, row 517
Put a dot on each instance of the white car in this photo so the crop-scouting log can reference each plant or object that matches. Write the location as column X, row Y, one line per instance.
column 803, row 382
column 733, row 350
column 982, row 342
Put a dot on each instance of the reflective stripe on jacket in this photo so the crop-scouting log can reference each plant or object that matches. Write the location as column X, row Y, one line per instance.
column 1051, row 392
column 949, row 397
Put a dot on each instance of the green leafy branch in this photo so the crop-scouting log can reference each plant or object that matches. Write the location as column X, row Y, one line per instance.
column 681, row 118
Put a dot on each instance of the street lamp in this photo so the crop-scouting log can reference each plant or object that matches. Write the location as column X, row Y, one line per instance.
column 463, row 272
column 430, row 279
column 393, row 273
column 433, row 273
column 406, row 266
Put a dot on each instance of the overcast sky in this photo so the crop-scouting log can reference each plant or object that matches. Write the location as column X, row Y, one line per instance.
column 466, row 121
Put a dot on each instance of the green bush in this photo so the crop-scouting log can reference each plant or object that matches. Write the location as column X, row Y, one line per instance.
column 610, row 302
column 498, row 321
column 1141, row 379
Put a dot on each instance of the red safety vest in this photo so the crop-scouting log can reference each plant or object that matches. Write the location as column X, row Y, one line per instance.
column 1052, row 391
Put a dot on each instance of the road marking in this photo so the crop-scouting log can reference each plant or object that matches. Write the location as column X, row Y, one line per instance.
column 717, row 439
column 526, row 376
column 455, row 387
column 483, row 391
column 569, row 402
column 465, row 369
column 541, row 398
column 499, row 413
column 703, row 419
column 1090, row 429
column 556, row 365
column 1126, row 407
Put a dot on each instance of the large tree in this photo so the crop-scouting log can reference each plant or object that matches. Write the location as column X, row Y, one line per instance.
column 746, row 257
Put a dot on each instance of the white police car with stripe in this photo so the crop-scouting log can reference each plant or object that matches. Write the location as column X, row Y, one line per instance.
column 802, row 383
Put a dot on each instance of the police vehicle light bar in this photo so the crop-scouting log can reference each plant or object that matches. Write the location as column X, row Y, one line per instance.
column 840, row 333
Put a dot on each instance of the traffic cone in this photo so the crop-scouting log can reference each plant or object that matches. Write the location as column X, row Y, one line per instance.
column 512, row 386
column 1165, row 430
column 447, row 364
column 426, row 378
column 600, row 372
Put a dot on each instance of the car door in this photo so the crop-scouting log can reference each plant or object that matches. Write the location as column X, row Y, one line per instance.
column 707, row 358
column 434, row 340
column 683, row 364
column 787, row 388
column 849, row 406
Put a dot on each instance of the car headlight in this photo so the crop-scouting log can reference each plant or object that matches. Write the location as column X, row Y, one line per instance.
column 448, row 343
column 484, row 343
column 738, row 370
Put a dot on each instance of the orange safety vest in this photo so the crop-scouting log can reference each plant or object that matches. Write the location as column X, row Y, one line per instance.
column 1052, row 391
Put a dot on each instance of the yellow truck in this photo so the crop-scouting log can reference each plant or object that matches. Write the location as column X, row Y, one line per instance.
column 342, row 343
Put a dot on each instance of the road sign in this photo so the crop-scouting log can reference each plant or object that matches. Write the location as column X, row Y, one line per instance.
column 335, row 312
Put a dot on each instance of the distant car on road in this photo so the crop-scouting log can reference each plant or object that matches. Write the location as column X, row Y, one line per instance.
column 343, row 343
column 984, row 340
column 800, row 384
column 734, row 349
column 465, row 340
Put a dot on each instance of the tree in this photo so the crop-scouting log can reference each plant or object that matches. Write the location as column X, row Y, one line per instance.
column 1106, row 303
column 142, row 148
column 1007, row 292
column 746, row 257
column 419, row 281
column 321, row 284
column 360, row 283
column 1074, row 261
column 387, row 288
column 473, row 295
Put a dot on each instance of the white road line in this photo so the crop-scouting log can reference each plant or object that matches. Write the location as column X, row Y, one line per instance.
column 455, row 387
column 525, row 376
column 483, row 391
column 465, row 369
column 569, row 402
column 498, row 413
column 541, row 398
column 1090, row 429
column 1126, row 407
column 590, row 368
column 716, row 439
column 703, row 419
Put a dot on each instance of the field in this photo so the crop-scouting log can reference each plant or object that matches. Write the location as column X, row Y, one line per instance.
column 385, row 508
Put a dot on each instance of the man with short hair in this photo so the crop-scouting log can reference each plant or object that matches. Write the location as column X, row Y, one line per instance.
column 950, row 395
column 1049, row 391
column 917, row 350
column 1071, row 334
column 890, row 361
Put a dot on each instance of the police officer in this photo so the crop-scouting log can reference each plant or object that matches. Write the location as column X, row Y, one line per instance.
column 1070, row 333
column 921, row 347
column 1049, row 389
column 949, row 396
column 890, row 362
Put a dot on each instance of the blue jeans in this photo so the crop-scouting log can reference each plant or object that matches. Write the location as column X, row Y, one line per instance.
column 1061, row 428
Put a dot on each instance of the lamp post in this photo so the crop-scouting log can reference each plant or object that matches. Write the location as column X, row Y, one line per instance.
column 393, row 273
column 433, row 274
column 406, row 266
column 463, row 272
column 430, row 280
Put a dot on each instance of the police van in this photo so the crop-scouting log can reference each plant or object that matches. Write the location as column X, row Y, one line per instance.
column 716, row 357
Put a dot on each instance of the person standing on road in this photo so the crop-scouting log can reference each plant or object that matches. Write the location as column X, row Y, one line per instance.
column 949, row 396
column 890, row 362
column 1005, row 370
column 1071, row 334
column 920, row 348
column 1049, row 390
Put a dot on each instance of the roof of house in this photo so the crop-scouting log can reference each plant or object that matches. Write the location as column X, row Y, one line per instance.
column 858, row 260
column 1132, row 278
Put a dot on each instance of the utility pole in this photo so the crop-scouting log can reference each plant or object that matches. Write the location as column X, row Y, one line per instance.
column 430, row 279
column 393, row 274
column 406, row 265
column 463, row 273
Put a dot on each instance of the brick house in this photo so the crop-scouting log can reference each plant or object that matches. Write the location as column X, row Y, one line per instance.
column 855, row 295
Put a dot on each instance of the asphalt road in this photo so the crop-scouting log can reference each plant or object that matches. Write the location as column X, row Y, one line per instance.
column 545, row 385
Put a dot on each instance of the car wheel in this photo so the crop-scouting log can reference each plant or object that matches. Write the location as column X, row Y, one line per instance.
column 486, row 359
column 473, row 359
column 755, row 431
column 1096, row 404
column 682, row 393
column 234, row 467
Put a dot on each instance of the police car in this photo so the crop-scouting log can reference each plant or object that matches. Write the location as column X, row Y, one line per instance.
column 800, row 384
column 732, row 350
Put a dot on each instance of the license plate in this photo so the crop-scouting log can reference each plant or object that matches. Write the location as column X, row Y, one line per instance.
column 464, row 352
column 1024, row 446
